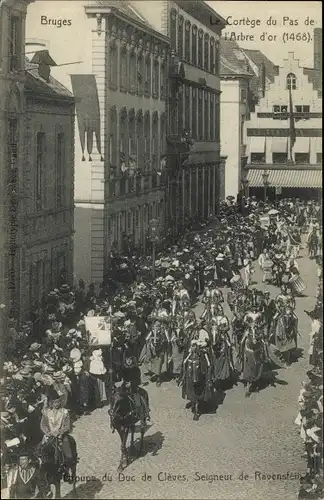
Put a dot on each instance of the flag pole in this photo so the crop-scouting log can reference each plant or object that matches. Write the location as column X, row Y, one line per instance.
column 292, row 129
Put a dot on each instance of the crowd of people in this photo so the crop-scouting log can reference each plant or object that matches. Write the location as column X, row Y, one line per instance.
column 310, row 416
column 55, row 368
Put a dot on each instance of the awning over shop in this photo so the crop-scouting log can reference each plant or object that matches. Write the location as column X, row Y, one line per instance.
column 279, row 144
column 302, row 145
column 287, row 178
column 257, row 145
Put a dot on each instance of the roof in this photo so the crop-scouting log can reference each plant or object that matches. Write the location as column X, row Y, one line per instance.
column 315, row 77
column 288, row 178
column 35, row 84
column 123, row 6
column 258, row 58
column 232, row 59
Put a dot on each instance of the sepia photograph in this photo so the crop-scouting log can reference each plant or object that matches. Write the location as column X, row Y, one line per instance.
column 161, row 287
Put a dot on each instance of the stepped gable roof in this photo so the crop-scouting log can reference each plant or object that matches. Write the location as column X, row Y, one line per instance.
column 315, row 77
column 35, row 84
column 232, row 59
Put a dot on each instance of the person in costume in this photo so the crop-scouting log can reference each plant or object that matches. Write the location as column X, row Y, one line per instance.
column 24, row 480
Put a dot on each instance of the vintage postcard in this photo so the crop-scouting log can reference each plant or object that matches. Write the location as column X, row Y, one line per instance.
column 161, row 290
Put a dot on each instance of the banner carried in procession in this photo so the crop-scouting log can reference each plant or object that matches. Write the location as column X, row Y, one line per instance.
column 99, row 328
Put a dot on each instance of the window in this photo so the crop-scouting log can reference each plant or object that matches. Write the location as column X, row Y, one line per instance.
column 140, row 140
column 123, row 136
column 212, row 55
column 113, row 137
column 173, row 29
column 40, row 169
column 156, row 79
column 194, row 113
column 123, row 69
column 280, row 112
column 60, row 170
column 194, row 45
column 163, row 81
column 319, row 158
column 206, row 115
column 162, row 133
column 291, row 82
column 131, row 133
column 217, row 59
column 303, row 109
column 132, row 72
column 200, row 48
column 140, row 74
column 257, row 158
column 148, row 78
column 206, row 52
column 200, row 115
column 180, row 36
column 15, row 47
column 187, row 108
column 217, row 118
column 112, row 65
column 155, row 140
column 187, row 41
column 180, row 113
column 302, row 158
column 147, row 139
column 279, row 158
column 212, row 118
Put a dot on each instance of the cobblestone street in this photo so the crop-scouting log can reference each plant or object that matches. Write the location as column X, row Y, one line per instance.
column 253, row 436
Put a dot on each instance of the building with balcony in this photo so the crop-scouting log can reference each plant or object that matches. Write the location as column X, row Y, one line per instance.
column 117, row 71
column 284, row 133
column 236, row 103
column 195, row 171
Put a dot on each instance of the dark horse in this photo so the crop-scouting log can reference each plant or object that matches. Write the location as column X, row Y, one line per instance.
column 127, row 408
column 55, row 466
column 196, row 381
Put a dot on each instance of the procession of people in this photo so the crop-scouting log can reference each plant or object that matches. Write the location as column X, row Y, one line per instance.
column 57, row 368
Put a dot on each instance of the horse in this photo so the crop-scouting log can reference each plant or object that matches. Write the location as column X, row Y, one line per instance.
column 312, row 244
column 196, row 381
column 128, row 408
column 54, row 466
column 237, row 329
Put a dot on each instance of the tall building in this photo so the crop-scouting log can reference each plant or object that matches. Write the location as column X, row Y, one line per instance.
column 194, row 168
column 118, row 75
column 284, row 133
column 236, row 76
column 33, row 224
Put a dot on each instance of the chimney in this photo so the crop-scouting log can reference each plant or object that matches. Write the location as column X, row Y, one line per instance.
column 318, row 49
column 44, row 61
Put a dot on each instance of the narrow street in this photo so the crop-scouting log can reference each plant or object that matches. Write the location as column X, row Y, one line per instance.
column 246, row 440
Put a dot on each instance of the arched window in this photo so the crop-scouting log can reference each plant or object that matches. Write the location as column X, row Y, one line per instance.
column 113, row 137
column 132, row 72
column 140, row 74
column 200, row 48
column 180, row 112
column 131, row 133
column 217, row 118
column 140, row 140
column 180, row 36
column 194, row 113
column 212, row 55
column 155, row 140
column 156, row 78
column 216, row 70
column 162, row 133
column 200, row 114
column 206, row 115
column 206, row 52
column 212, row 118
column 187, row 108
column 112, row 65
column 148, row 76
column 187, row 46
column 291, row 82
column 123, row 136
column 194, row 45
column 147, row 140
column 163, row 81
column 173, row 29
column 123, row 69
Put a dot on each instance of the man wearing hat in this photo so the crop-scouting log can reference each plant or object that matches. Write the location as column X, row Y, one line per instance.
column 24, row 479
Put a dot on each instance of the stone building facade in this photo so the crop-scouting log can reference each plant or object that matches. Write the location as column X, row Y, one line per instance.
column 195, row 170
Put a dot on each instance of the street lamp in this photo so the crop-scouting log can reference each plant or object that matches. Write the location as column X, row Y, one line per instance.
column 265, row 177
column 154, row 226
